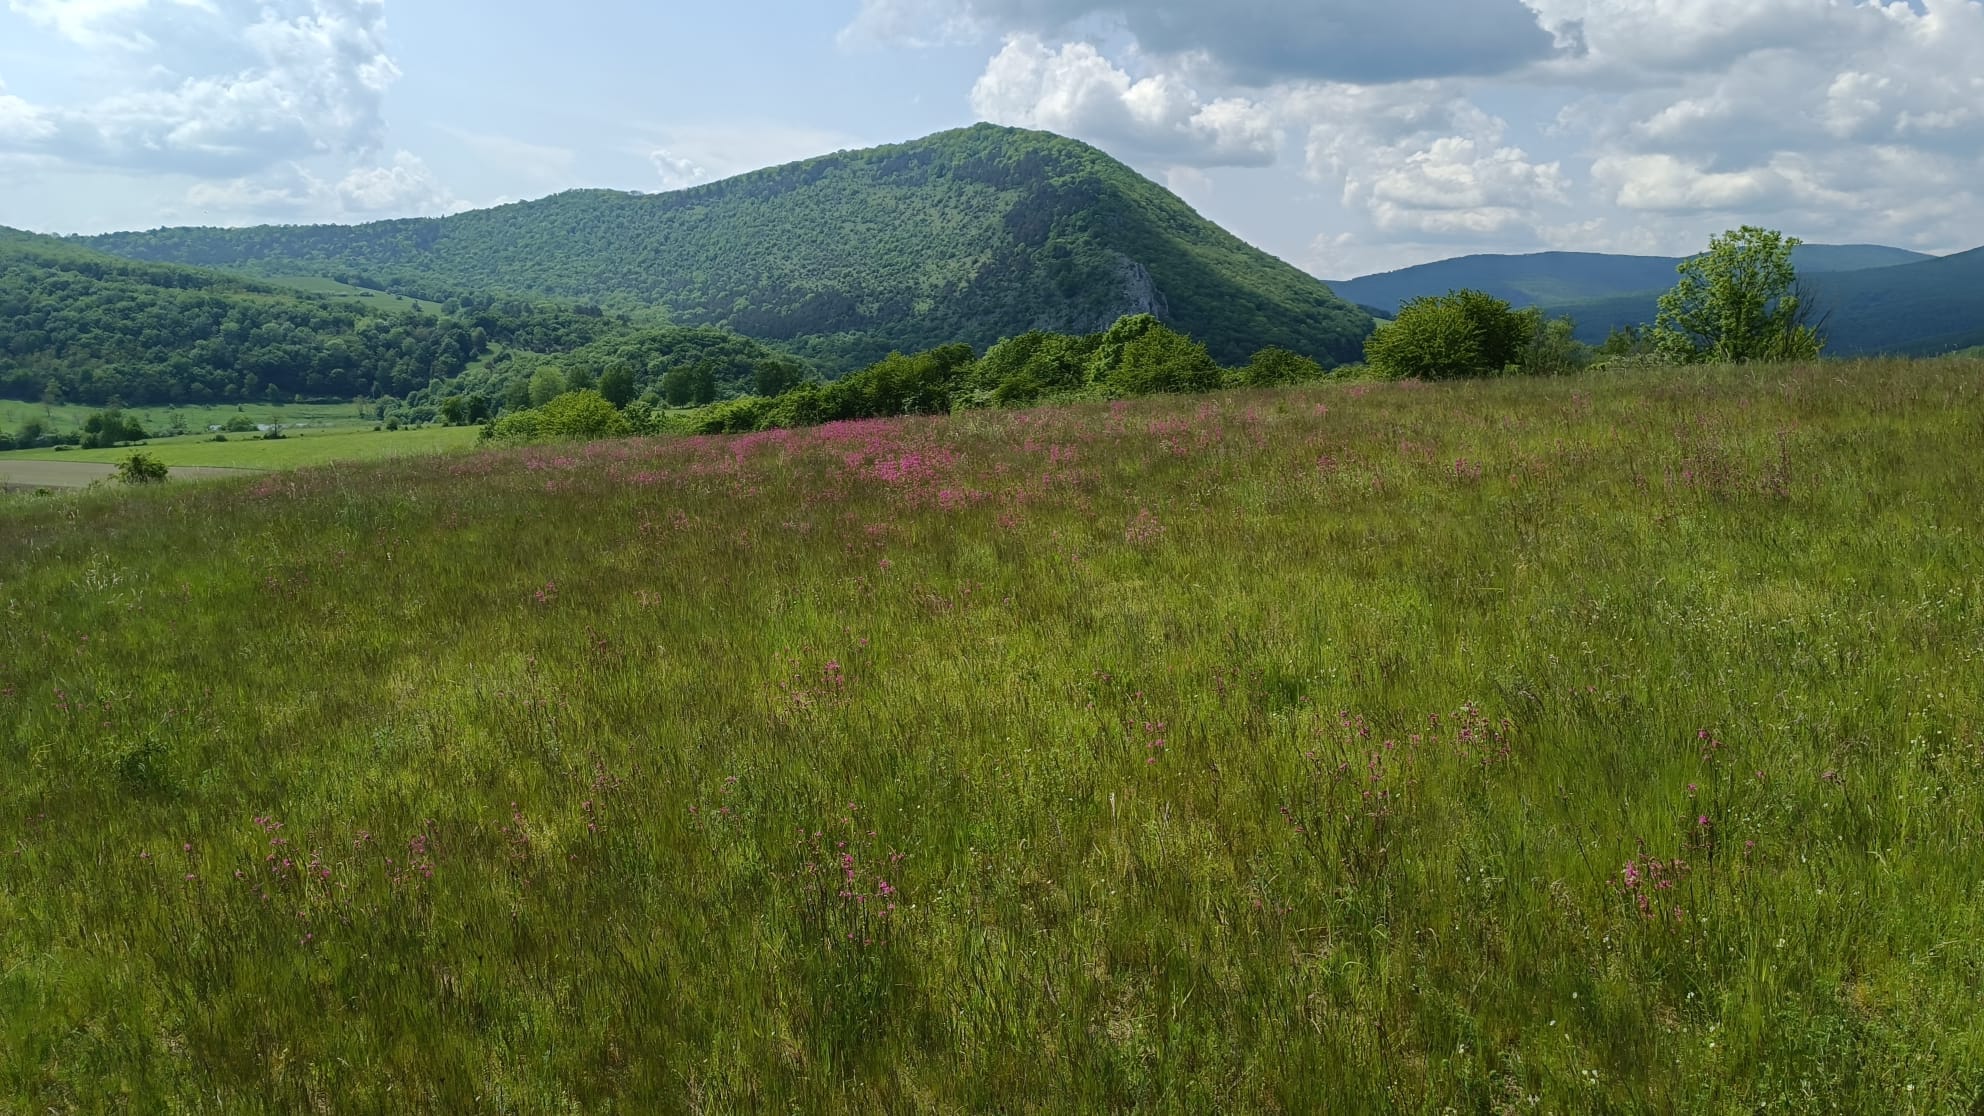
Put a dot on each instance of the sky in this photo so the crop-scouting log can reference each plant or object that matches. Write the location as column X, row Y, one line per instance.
column 1346, row 136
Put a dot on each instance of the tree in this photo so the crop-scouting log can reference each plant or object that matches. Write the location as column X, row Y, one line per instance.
column 1738, row 302
column 547, row 384
column 776, row 376
column 1140, row 355
column 617, row 385
column 111, row 428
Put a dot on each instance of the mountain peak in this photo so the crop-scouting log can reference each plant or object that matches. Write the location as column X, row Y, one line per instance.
column 969, row 235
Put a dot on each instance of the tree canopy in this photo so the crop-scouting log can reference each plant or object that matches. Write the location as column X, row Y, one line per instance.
column 1737, row 302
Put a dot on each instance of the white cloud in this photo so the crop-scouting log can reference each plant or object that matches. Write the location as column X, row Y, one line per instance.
column 676, row 172
column 402, row 186
column 1077, row 91
column 214, row 87
column 1418, row 159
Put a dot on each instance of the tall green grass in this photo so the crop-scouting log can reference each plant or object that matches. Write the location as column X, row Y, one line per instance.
column 1597, row 745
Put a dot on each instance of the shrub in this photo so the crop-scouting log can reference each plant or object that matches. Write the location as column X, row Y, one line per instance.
column 141, row 468
column 1140, row 355
column 1458, row 334
column 1273, row 367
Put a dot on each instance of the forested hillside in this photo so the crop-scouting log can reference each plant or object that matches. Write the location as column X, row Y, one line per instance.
column 86, row 327
column 966, row 237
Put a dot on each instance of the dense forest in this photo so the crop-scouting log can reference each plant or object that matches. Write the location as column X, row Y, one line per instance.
column 85, row 327
column 966, row 237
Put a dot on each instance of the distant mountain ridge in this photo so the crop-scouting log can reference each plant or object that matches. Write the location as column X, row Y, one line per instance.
column 967, row 236
column 1550, row 278
column 1872, row 299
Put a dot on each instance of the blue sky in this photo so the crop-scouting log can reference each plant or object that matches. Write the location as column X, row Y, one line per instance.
column 1344, row 135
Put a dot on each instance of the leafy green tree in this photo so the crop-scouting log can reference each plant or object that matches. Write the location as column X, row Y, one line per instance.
column 617, row 385
column 1140, row 355
column 678, row 387
column 547, row 384
column 777, row 375
column 1737, row 302
column 581, row 378
column 1458, row 334
column 1553, row 349
column 111, row 428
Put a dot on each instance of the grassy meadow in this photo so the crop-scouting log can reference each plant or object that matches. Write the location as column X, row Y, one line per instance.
column 1606, row 744
column 74, row 468
column 69, row 417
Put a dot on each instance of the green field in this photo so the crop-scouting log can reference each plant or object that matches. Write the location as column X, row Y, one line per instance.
column 69, row 417
column 378, row 300
column 294, row 450
column 20, row 475
column 1600, row 744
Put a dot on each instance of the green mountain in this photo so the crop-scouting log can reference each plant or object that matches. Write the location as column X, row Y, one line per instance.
column 98, row 327
column 1554, row 278
column 968, row 236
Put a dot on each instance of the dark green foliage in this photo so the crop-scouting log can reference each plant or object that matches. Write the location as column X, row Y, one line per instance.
column 617, row 385
column 969, row 236
column 111, row 427
column 463, row 410
column 141, row 468
column 80, row 325
column 1276, row 367
column 778, row 375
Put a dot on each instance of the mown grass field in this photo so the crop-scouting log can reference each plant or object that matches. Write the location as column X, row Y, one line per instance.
column 247, row 451
column 70, row 417
column 1611, row 744
column 378, row 300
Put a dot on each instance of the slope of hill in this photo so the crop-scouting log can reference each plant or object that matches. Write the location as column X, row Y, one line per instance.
column 967, row 236
column 98, row 327
column 1554, row 278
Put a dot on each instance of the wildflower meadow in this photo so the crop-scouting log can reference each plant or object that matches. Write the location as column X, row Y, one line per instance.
column 1612, row 743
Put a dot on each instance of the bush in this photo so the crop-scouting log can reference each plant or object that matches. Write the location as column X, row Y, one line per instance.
column 1274, row 367
column 141, row 468
column 1455, row 335
column 111, row 428
column 238, row 424
column 573, row 415
column 1140, row 355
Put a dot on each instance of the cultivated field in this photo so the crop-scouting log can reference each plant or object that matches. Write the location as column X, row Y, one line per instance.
column 23, row 475
column 247, row 451
column 69, row 417
column 1610, row 744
